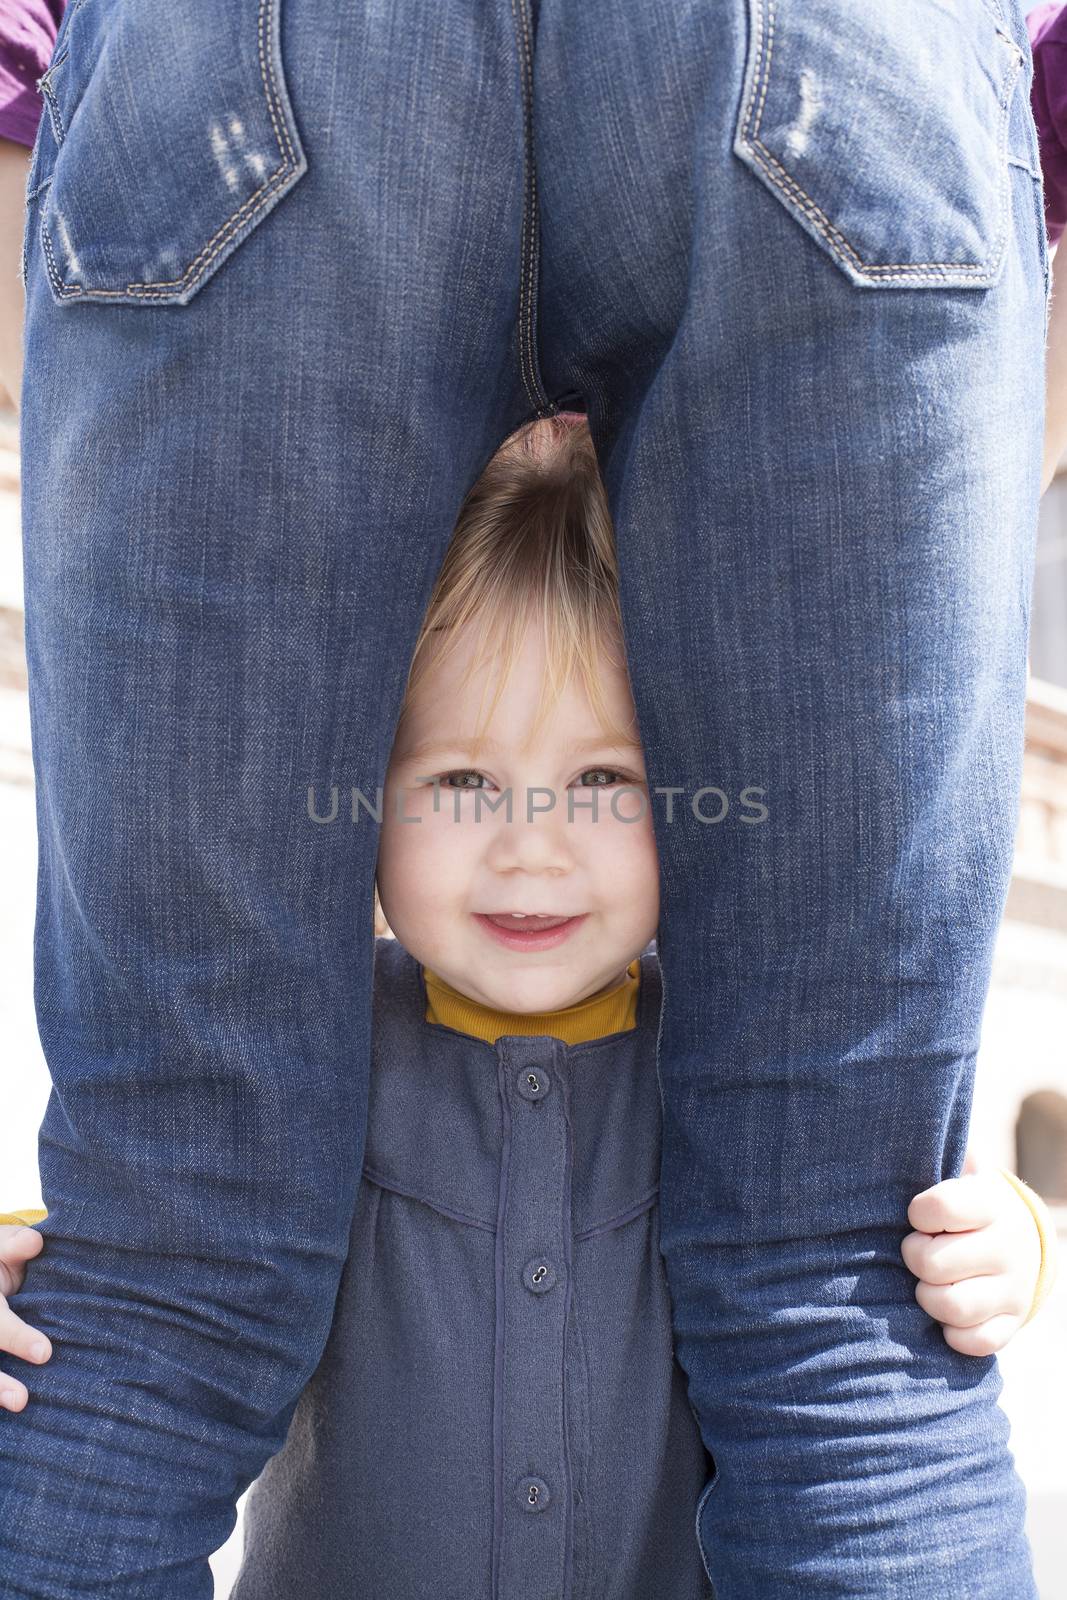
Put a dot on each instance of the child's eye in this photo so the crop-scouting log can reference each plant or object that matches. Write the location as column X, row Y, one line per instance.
column 613, row 777
column 461, row 772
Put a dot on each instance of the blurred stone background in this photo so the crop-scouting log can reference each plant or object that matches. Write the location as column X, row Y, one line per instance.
column 1020, row 1105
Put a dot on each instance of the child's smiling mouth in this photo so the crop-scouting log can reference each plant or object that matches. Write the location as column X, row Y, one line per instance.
column 530, row 932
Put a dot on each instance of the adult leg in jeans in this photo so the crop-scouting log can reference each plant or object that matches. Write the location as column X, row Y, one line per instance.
column 279, row 316
column 793, row 254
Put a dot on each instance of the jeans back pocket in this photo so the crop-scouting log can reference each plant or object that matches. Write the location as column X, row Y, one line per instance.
column 167, row 135
column 883, row 129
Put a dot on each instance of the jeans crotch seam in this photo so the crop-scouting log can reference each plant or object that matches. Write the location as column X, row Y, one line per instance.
column 530, row 246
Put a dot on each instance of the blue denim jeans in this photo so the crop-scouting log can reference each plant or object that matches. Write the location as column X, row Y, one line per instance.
column 293, row 273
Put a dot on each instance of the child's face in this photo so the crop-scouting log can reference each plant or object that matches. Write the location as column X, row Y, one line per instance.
column 438, row 878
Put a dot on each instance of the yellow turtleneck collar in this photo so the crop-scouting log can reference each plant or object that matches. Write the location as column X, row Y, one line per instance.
column 613, row 1012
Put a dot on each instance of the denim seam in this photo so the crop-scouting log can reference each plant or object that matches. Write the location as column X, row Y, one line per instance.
column 704, row 1493
column 1037, row 189
column 997, row 12
column 55, row 116
column 43, row 87
column 44, row 81
column 199, row 266
column 1017, row 161
column 530, row 237
column 27, row 225
column 53, row 65
column 838, row 244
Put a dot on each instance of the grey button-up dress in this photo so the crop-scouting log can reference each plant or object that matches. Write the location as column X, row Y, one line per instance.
column 497, row 1414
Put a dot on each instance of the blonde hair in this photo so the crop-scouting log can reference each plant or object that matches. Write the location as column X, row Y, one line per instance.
column 534, row 541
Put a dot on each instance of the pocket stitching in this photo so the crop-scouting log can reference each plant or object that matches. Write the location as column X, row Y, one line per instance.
column 44, row 82
column 50, row 101
column 200, row 264
column 836, row 240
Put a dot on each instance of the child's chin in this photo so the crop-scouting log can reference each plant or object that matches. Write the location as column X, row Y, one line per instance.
column 537, row 996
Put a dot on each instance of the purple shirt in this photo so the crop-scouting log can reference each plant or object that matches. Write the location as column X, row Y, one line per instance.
column 1047, row 27
column 28, row 30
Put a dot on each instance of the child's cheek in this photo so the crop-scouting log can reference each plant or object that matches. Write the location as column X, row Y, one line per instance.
column 420, row 871
column 620, row 837
column 637, row 864
column 405, row 840
column 444, row 837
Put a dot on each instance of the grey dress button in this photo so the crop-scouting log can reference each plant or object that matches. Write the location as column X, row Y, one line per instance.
column 533, row 1082
column 533, row 1494
column 539, row 1275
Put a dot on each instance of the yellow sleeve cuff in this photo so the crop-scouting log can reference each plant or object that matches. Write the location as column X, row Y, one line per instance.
column 31, row 1215
column 1046, row 1275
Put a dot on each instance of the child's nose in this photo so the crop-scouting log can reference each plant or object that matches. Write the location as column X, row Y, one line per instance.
column 538, row 840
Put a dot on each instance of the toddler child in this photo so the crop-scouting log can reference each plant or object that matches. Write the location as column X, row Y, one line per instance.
column 498, row 1411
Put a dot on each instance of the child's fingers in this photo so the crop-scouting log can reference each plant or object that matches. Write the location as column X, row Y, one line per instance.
column 955, row 1204
column 984, row 1340
column 20, row 1238
column 18, row 1244
column 970, row 1303
column 16, row 1336
column 948, row 1257
column 19, row 1339
column 13, row 1394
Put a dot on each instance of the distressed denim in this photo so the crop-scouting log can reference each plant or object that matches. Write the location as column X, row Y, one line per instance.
column 293, row 273
column 498, row 1409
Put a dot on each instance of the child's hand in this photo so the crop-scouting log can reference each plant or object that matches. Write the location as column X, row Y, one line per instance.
column 977, row 1254
column 18, row 1244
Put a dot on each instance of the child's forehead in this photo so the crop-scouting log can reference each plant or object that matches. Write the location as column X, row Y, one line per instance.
column 519, row 725
column 574, row 735
column 477, row 656
column 483, row 690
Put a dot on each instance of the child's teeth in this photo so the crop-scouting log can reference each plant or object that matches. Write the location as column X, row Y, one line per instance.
column 509, row 918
